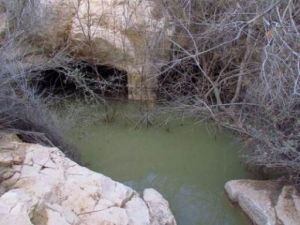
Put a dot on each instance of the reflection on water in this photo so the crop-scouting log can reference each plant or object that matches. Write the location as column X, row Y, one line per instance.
column 187, row 164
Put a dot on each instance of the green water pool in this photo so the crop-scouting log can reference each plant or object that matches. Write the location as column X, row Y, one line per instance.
column 188, row 163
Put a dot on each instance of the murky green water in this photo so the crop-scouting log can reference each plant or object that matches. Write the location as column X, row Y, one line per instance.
column 189, row 164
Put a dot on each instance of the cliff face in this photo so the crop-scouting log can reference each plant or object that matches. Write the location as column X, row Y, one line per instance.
column 123, row 34
column 40, row 186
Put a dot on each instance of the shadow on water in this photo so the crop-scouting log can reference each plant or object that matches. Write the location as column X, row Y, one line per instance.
column 185, row 162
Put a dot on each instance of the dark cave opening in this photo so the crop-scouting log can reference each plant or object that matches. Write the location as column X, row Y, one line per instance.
column 82, row 79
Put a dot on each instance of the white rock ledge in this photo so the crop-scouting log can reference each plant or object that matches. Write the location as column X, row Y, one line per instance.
column 40, row 186
column 266, row 202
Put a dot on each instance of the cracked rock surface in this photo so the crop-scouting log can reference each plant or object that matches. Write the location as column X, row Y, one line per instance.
column 40, row 186
column 266, row 202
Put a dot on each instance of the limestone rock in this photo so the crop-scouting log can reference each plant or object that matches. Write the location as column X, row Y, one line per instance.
column 7, row 219
column 266, row 202
column 41, row 186
column 160, row 212
column 109, row 216
column 119, row 33
column 287, row 208
column 16, row 207
column 138, row 212
column 53, row 214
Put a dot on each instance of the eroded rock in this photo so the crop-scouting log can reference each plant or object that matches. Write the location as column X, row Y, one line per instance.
column 138, row 211
column 287, row 208
column 51, row 189
column 266, row 202
column 119, row 33
column 159, row 210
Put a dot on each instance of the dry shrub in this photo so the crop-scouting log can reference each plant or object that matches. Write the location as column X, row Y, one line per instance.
column 22, row 109
column 35, row 77
column 238, row 62
column 212, row 47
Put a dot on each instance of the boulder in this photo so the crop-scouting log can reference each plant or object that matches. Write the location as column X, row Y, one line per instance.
column 159, row 209
column 266, row 202
column 47, row 188
column 138, row 212
column 288, row 206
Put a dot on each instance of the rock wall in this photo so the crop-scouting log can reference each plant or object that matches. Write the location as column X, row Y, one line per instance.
column 266, row 202
column 126, row 34
column 121, row 33
column 40, row 186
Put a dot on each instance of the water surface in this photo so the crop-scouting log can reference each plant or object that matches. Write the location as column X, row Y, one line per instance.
column 188, row 163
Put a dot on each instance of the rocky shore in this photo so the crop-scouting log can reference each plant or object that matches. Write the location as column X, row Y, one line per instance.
column 41, row 186
column 266, row 202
